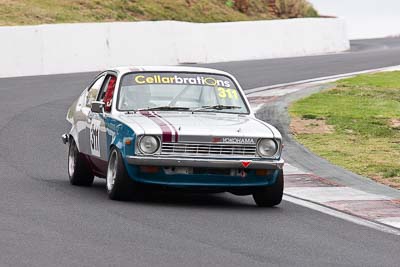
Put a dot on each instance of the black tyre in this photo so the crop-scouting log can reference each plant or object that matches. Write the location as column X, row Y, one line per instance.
column 78, row 168
column 119, row 185
column 270, row 196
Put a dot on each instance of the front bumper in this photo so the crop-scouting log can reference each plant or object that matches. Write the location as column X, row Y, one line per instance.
column 204, row 163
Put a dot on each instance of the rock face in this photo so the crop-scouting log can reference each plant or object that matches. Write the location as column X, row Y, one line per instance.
column 272, row 8
column 290, row 8
column 242, row 5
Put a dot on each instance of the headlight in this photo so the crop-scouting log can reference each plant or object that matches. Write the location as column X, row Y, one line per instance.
column 149, row 144
column 267, row 148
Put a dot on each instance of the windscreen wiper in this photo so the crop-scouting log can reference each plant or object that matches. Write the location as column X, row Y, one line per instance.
column 216, row 107
column 164, row 108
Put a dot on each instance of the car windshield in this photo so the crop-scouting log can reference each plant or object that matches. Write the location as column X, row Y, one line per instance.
column 196, row 92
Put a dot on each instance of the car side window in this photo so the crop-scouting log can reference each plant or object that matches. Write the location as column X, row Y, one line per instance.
column 107, row 92
column 94, row 90
column 108, row 84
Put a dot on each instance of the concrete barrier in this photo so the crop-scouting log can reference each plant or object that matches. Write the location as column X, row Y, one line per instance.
column 64, row 48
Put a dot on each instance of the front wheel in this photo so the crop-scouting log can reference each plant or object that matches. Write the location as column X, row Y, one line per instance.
column 270, row 196
column 119, row 185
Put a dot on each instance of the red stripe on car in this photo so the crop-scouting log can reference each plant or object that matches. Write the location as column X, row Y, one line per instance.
column 166, row 130
column 171, row 125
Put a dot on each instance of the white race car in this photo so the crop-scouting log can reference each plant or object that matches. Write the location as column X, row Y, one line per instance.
column 179, row 127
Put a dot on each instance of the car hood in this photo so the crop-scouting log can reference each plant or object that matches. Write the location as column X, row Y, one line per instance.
column 203, row 127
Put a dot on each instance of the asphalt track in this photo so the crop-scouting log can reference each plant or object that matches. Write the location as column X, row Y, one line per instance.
column 46, row 222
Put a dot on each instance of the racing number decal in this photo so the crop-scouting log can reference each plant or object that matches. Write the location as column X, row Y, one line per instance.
column 226, row 92
column 95, row 137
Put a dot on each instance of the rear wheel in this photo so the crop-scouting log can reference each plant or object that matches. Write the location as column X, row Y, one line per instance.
column 119, row 185
column 78, row 168
column 270, row 196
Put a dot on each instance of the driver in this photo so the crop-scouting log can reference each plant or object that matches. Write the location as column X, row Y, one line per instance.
column 135, row 97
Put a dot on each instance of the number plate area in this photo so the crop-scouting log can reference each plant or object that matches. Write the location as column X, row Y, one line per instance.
column 209, row 171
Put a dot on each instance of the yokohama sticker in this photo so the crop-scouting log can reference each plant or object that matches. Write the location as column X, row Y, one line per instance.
column 236, row 140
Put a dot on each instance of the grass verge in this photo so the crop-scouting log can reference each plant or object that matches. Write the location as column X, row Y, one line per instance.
column 27, row 12
column 364, row 113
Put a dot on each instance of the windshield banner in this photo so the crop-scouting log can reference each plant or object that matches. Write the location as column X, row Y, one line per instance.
column 186, row 79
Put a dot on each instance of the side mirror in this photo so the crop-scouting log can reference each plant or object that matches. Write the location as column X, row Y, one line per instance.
column 97, row 107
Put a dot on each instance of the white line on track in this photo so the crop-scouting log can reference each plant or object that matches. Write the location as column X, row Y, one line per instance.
column 393, row 221
column 326, row 194
column 325, row 79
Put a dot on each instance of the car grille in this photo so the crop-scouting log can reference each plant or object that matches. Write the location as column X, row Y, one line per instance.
column 206, row 149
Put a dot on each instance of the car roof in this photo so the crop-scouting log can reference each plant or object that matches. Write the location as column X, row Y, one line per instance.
column 126, row 69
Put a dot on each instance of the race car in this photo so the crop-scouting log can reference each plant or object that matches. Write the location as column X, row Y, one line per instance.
column 175, row 127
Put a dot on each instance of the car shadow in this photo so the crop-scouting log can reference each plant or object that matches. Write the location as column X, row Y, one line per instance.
column 161, row 198
column 178, row 198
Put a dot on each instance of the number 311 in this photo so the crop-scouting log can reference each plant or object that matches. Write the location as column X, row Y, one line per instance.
column 230, row 93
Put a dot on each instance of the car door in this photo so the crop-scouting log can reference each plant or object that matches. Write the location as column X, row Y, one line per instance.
column 87, row 143
column 106, row 95
column 97, row 128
